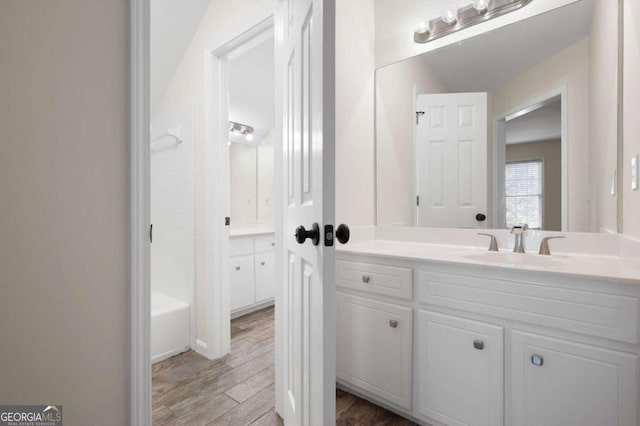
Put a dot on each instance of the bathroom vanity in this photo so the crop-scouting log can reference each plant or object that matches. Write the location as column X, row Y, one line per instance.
column 435, row 327
column 252, row 270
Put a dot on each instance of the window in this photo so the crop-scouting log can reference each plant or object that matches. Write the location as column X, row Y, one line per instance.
column 523, row 190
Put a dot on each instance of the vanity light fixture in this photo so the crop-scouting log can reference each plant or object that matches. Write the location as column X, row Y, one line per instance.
column 453, row 20
column 239, row 129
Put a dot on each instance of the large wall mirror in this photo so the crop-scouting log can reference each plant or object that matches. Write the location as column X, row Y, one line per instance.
column 516, row 125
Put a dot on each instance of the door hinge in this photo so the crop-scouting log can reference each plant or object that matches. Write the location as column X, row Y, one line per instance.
column 417, row 200
column 418, row 115
column 227, row 221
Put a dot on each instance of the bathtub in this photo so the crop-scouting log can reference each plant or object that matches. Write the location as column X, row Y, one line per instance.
column 170, row 328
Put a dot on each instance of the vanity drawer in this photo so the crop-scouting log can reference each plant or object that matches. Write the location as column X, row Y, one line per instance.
column 378, row 279
column 577, row 310
column 239, row 246
column 265, row 242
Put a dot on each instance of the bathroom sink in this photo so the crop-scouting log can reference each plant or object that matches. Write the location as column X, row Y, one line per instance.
column 519, row 259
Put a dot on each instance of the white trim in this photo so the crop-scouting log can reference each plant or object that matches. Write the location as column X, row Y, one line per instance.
column 216, row 201
column 139, row 275
column 253, row 308
column 201, row 347
column 499, row 142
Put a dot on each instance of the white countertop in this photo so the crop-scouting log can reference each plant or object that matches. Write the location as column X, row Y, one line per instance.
column 617, row 268
column 246, row 231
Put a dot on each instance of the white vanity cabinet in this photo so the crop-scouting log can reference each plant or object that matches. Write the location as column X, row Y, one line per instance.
column 252, row 271
column 488, row 346
column 559, row 383
column 461, row 370
column 374, row 347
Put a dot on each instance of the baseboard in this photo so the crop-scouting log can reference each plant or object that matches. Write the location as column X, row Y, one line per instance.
column 244, row 311
column 201, row 347
column 169, row 354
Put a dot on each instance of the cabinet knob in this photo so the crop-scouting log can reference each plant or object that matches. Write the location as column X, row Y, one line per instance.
column 273, row 244
column 537, row 360
column 262, row 263
column 365, row 278
column 393, row 323
column 478, row 344
column 237, row 268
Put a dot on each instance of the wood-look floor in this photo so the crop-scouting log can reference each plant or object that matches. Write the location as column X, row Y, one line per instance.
column 188, row 389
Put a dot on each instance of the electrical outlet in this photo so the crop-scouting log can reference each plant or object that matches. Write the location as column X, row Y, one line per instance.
column 634, row 172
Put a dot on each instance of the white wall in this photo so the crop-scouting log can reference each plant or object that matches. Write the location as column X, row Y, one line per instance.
column 221, row 22
column 173, row 207
column 354, row 168
column 603, row 114
column 64, row 225
column 396, row 87
column 631, row 104
column 568, row 68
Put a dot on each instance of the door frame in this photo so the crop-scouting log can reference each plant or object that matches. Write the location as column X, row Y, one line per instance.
column 498, row 146
column 139, row 206
column 216, row 200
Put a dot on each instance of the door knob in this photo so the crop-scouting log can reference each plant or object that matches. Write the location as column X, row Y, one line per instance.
column 481, row 217
column 314, row 234
column 343, row 233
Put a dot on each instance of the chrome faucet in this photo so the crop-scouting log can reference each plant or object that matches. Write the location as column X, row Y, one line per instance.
column 544, row 245
column 519, row 231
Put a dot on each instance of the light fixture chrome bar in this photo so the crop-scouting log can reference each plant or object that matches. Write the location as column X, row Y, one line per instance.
column 467, row 16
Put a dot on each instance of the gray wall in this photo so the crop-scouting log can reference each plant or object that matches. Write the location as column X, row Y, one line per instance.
column 63, row 198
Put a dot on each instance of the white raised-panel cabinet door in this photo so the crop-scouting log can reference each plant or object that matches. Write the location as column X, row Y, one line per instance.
column 451, row 160
column 242, row 290
column 460, row 370
column 558, row 383
column 265, row 276
column 375, row 347
column 305, row 52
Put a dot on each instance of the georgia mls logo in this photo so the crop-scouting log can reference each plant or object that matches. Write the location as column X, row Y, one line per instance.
column 31, row 415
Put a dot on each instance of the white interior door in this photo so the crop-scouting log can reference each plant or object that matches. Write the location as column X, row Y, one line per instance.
column 451, row 160
column 305, row 39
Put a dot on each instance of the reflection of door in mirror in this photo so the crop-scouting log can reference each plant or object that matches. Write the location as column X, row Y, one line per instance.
column 451, row 158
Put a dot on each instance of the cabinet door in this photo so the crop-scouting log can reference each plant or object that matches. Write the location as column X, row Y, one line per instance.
column 265, row 276
column 242, row 282
column 557, row 383
column 374, row 347
column 460, row 370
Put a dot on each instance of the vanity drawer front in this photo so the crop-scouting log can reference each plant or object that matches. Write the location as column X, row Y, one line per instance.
column 379, row 279
column 239, row 246
column 265, row 242
column 576, row 310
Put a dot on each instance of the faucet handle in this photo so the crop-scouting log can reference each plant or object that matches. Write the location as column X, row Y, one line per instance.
column 493, row 246
column 544, row 245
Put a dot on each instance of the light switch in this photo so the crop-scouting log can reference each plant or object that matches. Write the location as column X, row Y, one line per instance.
column 634, row 172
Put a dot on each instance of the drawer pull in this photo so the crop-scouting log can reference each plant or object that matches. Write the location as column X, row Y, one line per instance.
column 262, row 263
column 537, row 360
column 393, row 323
column 273, row 244
column 478, row 344
column 365, row 278
column 237, row 268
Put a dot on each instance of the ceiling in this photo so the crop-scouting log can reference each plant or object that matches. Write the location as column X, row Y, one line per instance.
column 541, row 124
column 173, row 25
column 486, row 62
column 251, row 89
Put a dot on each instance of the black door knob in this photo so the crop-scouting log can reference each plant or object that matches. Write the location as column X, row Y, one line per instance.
column 480, row 217
column 314, row 234
column 343, row 233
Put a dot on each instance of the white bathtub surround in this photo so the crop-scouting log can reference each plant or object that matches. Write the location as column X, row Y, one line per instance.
column 173, row 218
column 435, row 327
column 170, row 319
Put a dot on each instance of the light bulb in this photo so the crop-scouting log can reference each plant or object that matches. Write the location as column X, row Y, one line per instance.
column 481, row 5
column 450, row 16
column 249, row 136
column 424, row 28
